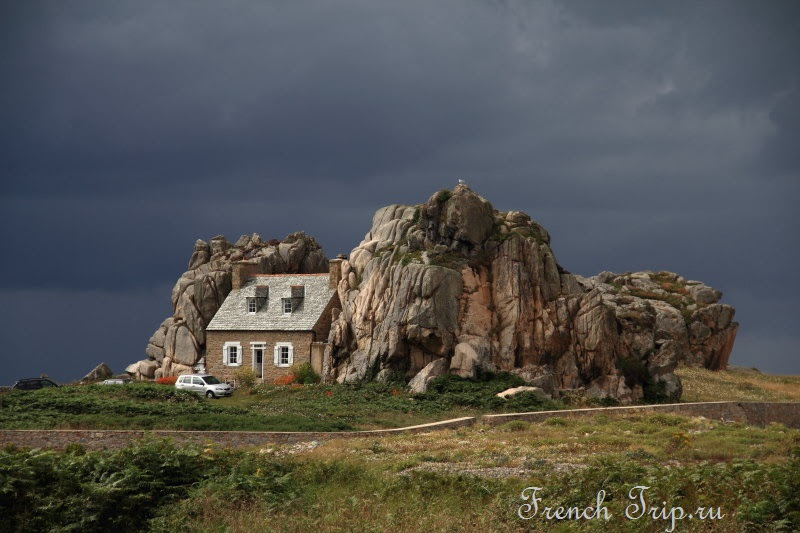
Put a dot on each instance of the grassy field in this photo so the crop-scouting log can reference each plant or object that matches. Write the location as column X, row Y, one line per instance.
column 265, row 408
column 737, row 384
column 468, row 479
column 329, row 407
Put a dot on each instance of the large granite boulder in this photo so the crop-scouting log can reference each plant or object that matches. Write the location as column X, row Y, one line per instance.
column 453, row 285
column 434, row 369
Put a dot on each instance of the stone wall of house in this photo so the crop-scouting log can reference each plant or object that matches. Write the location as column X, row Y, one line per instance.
column 323, row 326
column 301, row 342
column 317, row 354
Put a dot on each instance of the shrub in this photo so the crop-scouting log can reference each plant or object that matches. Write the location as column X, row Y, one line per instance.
column 450, row 390
column 777, row 507
column 633, row 369
column 443, row 195
column 304, row 373
column 122, row 490
column 245, row 377
column 169, row 380
column 679, row 440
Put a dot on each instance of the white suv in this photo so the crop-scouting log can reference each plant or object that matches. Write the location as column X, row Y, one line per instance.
column 203, row 384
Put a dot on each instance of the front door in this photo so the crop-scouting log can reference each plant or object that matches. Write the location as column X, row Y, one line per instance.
column 258, row 361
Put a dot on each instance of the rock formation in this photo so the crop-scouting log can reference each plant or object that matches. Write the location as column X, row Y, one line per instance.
column 455, row 286
column 98, row 373
column 179, row 342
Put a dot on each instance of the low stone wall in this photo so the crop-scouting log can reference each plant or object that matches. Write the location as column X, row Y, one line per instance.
column 753, row 413
column 111, row 439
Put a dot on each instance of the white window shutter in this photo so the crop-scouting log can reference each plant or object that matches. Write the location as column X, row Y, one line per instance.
column 225, row 356
column 277, row 354
column 291, row 354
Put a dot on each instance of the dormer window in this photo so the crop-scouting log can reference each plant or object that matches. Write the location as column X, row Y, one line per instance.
column 252, row 306
column 298, row 291
column 287, row 306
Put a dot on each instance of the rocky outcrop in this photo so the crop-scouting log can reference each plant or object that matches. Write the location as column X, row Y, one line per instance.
column 179, row 342
column 453, row 285
column 100, row 372
column 665, row 312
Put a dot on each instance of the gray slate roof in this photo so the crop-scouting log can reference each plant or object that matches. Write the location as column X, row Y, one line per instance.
column 233, row 315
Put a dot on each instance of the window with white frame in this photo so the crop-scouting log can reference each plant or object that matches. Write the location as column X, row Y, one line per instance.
column 232, row 354
column 284, row 354
column 287, row 305
column 252, row 307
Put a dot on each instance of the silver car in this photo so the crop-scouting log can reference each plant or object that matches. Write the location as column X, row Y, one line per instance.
column 115, row 381
column 204, row 384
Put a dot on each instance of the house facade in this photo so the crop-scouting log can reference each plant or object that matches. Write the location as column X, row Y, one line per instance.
column 270, row 322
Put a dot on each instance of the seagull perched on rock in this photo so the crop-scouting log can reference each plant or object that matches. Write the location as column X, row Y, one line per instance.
column 462, row 182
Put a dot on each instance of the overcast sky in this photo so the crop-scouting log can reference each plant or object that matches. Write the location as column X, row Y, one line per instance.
column 660, row 135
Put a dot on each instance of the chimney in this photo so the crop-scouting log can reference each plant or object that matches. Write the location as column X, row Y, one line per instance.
column 335, row 271
column 242, row 271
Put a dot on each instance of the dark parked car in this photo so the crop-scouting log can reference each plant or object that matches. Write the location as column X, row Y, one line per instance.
column 34, row 384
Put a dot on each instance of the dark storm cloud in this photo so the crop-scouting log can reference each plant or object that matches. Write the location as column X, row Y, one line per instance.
column 256, row 89
column 642, row 135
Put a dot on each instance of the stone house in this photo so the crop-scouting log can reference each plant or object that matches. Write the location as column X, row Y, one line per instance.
column 270, row 322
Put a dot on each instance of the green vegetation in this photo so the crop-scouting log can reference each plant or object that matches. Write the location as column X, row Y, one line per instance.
column 121, row 490
column 141, row 406
column 245, row 377
column 449, row 391
column 737, row 384
column 469, row 480
column 321, row 407
column 311, row 407
column 443, row 195
column 413, row 256
column 304, row 373
column 451, row 260
column 415, row 216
